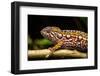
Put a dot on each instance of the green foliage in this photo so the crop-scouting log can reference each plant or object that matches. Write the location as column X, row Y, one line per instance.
column 30, row 43
column 29, row 40
column 84, row 19
column 38, row 43
column 41, row 43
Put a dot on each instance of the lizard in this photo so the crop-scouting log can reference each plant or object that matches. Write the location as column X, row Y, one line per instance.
column 67, row 39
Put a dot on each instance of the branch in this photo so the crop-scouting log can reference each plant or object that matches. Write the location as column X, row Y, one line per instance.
column 34, row 54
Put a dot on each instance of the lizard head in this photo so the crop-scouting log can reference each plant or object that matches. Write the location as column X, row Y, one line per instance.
column 52, row 33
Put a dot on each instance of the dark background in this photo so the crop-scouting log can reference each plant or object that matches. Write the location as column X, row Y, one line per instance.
column 37, row 22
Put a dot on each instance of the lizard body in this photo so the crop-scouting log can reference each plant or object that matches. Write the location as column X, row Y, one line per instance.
column 67, row 39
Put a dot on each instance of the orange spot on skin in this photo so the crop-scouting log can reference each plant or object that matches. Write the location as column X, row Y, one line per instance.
column 80, row 37
column 68, row 36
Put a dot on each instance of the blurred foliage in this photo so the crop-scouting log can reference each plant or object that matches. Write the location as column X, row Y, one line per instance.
column 29, row 40
column 84, row 19
column 38, row 43
column 30, row 43
column 41, row 43
column 83, row 23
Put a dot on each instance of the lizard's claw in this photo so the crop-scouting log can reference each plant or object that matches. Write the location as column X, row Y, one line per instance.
column 51, row 49
column 47, row 56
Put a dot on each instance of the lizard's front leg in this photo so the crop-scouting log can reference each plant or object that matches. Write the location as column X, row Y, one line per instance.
column 57, row 46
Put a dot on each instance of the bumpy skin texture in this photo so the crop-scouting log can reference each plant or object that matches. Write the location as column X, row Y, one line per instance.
column 67, row 39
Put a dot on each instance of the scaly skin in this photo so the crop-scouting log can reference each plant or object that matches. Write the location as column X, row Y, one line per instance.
column 67, row 39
